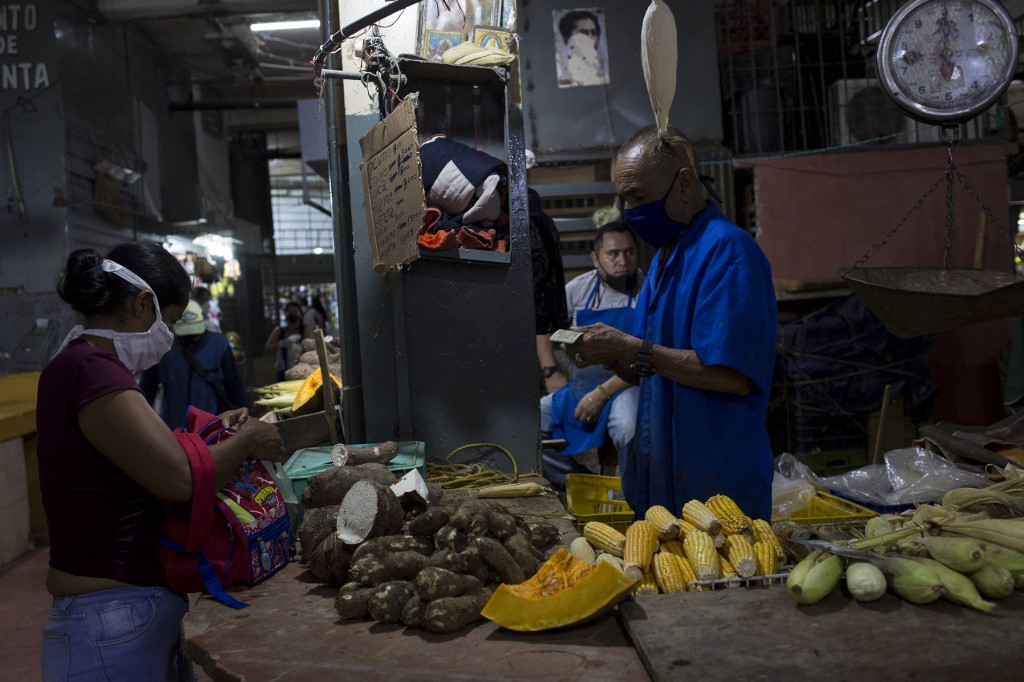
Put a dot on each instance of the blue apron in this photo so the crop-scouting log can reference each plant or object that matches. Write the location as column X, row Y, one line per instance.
column 582, row 436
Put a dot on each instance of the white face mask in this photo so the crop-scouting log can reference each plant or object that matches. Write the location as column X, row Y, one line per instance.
column 137, row 350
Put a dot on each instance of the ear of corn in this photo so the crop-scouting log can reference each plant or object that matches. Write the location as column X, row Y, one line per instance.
column 741, row 555
column 607, row 558
column 719, row 539
column 763, row 533
column 605, row 538
column 696, row 513
column 1007, row 533
column 726, row 568
column 581, row 549
column 648, row 584
column 664, row 522
column 733, row 520
column 994, row 582
column 815, row 577
column 767, row 559
column 673, row 547
column 686, row 527
column 700, row 551
column 965, row 555
column 670, row 573
column 865, row 581
column 957, row 587
column 911, row 580
column 641, row 541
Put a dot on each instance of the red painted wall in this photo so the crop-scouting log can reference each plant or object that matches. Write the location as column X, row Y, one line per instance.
column 820, row 213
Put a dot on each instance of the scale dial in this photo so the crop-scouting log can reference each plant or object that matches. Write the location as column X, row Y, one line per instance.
column 946, row 61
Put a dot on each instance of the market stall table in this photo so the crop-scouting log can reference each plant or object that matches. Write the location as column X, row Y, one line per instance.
column 758, row 633
column 290, row 631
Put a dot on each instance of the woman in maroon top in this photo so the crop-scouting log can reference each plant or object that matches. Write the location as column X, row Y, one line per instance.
column 106, row 459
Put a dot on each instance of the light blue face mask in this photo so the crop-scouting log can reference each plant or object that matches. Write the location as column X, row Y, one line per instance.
column 651, row 223
column 137, row 350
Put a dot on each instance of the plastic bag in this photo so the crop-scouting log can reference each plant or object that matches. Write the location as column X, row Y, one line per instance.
column 906, row 476
column 793, row 487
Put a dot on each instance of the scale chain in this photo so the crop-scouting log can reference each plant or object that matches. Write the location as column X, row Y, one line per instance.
column 950, row 227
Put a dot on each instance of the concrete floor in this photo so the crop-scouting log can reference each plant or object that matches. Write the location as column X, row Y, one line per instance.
column 25, row 606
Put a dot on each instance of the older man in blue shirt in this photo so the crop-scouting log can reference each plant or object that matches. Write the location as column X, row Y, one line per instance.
column 704, row 343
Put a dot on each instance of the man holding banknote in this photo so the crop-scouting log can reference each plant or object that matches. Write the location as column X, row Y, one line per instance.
column 596, row 402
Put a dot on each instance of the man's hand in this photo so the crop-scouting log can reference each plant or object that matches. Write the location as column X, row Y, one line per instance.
column 602, row 345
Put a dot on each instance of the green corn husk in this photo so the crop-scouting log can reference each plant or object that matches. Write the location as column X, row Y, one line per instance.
column 1011, row 560
column 913, row 581
column 1007, row 533
column 978, row 499
column 992, row 581
column 814, row 577
column 957, row 587
column 877, row 526
column 959, row 553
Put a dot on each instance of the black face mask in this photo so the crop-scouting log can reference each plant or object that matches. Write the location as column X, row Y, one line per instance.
column 624, row 284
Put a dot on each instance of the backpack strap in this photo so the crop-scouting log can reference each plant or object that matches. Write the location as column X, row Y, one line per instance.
column 203, row 491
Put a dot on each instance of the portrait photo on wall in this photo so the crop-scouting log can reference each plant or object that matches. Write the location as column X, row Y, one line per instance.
column 436, row 42
column 581, row 47
column 491, row 36
column 458, row 17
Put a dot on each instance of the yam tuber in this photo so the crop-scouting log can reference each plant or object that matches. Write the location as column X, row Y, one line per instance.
column 387, row 544
column 415, row 612
column 330, row 487
column 374, row 570
column 389, row 599
column 543, row 534
column 450, row 614
column 429, row 522
column 451, row 538
column 351, row 455
column 500, row 561
column 523, row 551
column 330, row 561
column 500, row 524
column 368, row 510
column 434, row 582
column 352, row 600
column 316, row 525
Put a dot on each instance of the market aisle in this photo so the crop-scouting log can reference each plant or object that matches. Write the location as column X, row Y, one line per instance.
column 24, row 604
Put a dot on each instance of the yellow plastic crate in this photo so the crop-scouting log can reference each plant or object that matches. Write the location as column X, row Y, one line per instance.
column 825, row 508
column 589, row 498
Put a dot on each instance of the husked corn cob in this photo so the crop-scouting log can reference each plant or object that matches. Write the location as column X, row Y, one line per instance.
column 733, row 520
column 763, row 533
column 605, row 557
column 641, row 541
column 700, row 516
column 673, row 547
column 686, row 527
column 671, row 572
column 581, row 549
column 700, row 551
column 741, row 555
column 664, row 522
column 719, row 539
column 648, row 584
column 725, row 567
column 605, row 538
column 767, row 560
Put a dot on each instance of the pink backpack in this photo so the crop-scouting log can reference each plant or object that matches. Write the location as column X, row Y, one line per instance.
column 238, row 535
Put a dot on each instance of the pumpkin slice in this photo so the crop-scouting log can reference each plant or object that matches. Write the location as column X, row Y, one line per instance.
column 564, row 591
column 310, row 398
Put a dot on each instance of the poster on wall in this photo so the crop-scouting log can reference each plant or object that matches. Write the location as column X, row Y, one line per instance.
column 581, row 48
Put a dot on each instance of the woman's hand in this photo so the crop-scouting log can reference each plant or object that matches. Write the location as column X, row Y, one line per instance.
column 588, row 409
column 235, row 418
column 265, row 440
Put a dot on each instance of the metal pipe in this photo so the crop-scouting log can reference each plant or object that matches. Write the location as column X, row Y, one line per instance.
column 347, row 75
column 217, row 106
column 353, row 414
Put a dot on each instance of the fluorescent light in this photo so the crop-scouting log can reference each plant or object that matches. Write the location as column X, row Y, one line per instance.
column 285, row 25
column 318, row 250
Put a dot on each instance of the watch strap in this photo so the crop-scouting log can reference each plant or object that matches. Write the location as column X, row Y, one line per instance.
column 642, row 364
column 547, row 372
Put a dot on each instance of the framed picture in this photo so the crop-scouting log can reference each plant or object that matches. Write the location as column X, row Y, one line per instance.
column 492, row 36
column 436, row 42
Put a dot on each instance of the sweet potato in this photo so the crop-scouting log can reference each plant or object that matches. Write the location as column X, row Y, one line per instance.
column 434, row 582
column 369, row 510
column 500, row 561
column 500, row 524
column 543, row 534
column 330, row 487
column 467, row 562
column 316, row 525
column 352, row 600
column 389, row 599
column 331, row 560
column 450, row 614
column 522, row 550
column 451, row 538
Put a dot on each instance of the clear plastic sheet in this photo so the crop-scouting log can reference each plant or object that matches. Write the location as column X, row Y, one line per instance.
column 793, row 487
column 906, row 476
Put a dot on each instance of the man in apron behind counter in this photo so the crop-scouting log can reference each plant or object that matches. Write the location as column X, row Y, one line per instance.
column 597, row 402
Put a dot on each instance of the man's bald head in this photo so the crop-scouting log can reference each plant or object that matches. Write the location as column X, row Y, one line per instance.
column 649, row 167
column 664, row 155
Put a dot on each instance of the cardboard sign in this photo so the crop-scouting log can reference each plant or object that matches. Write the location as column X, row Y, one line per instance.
column 393, row 188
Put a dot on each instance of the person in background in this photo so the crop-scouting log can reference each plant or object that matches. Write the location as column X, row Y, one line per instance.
column 199, row 370
column 550, row 313
column 703, row 347
column 211, row 311
column 596, row 402
column 284, row 337
column 315, row 317
column 106, row 461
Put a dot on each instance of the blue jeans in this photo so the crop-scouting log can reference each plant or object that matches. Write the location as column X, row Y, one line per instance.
column 126, row 633
column 621, row 418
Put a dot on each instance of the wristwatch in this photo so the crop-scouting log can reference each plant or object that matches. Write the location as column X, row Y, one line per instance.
column 642, row 363
column 546, row 372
